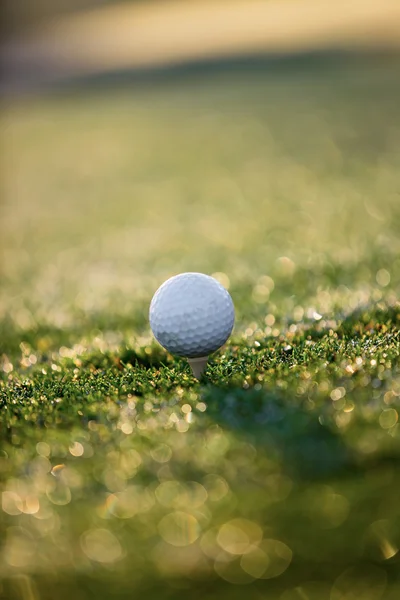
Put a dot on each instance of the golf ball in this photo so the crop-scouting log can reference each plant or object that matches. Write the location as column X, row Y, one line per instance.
column 191, row 315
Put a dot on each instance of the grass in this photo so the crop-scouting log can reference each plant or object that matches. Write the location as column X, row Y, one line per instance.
column 277, row 475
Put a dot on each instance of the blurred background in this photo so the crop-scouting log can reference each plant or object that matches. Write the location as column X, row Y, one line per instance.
column 47, row 41
column 144, row 138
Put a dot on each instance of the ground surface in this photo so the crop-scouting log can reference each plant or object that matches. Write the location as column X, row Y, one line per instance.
column 277, row 476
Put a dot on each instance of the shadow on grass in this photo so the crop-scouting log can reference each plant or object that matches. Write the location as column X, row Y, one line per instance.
column 155, row 358
column 281, row 427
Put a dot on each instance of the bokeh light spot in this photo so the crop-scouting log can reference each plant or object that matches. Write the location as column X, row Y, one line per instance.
column 179, row 528
column 100, row 545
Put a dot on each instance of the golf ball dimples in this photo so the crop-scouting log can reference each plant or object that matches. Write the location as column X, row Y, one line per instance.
column 192, row 315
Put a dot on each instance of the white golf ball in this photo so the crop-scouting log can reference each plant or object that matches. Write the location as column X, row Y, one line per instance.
column 191, row 315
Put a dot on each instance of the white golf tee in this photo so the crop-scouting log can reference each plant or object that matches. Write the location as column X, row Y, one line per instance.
column 198, row 365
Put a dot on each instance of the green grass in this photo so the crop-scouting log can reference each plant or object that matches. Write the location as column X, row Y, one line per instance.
column 275, row 477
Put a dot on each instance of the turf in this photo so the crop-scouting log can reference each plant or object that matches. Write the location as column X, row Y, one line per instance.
column 277, row 476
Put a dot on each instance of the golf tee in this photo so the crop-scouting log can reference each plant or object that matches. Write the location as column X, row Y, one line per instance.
column 198, row 365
